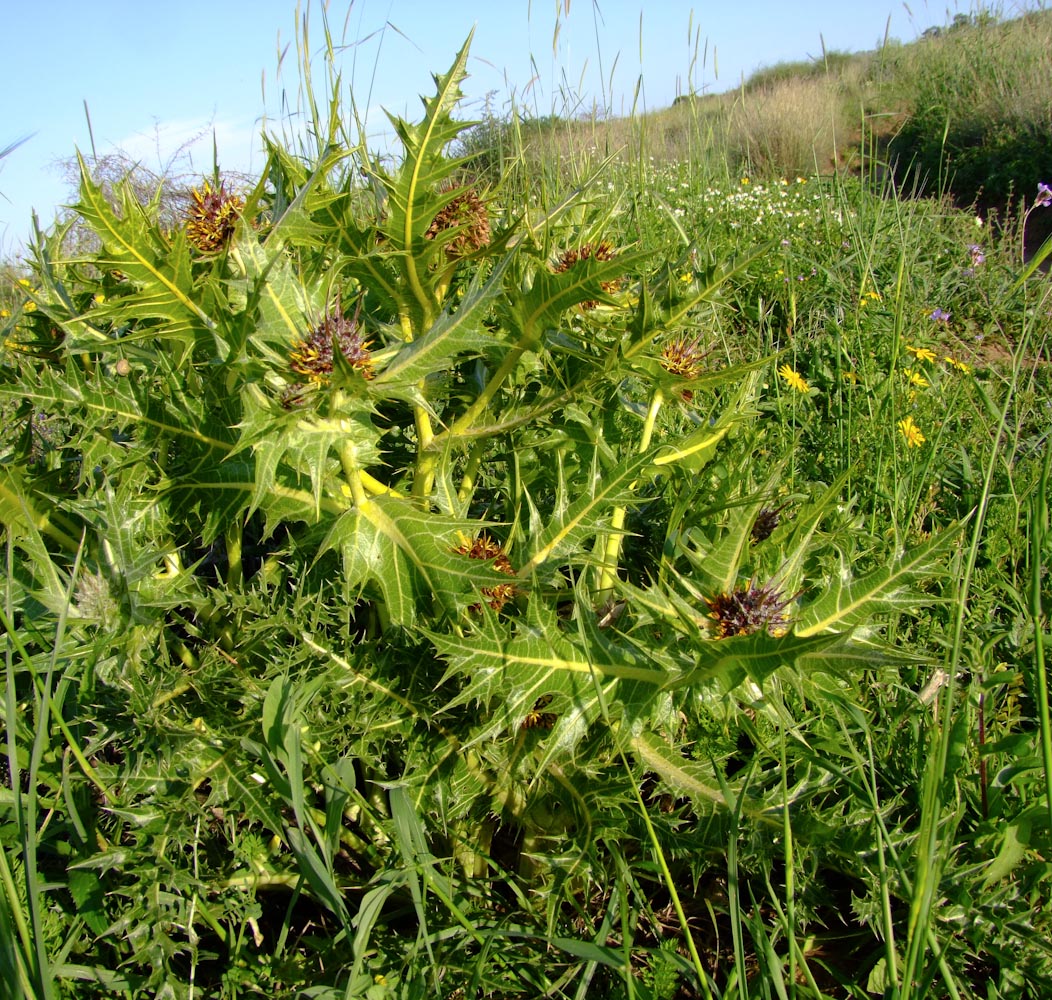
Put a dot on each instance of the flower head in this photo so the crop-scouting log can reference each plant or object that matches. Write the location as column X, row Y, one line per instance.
column 602, row 250
column 484, row 547
column 748, row 610
column 911, row 433
column 314, row 357
column 921, row 353
column 793, row 378
column 766, row 521
column 1044, row 196
column 465, row 215
column 961, row 366
column 915, row 378
column 976, row 253
column 211, row 218
column 939, row 316
column 682, row 357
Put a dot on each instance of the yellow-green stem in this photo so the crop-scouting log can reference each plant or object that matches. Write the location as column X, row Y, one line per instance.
column 468, row 417
column 612, row 548
column 235, row 571
column 351, row 473
column 467, row 484
column 424, row 476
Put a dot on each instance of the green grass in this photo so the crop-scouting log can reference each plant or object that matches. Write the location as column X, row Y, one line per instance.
column 743, row 695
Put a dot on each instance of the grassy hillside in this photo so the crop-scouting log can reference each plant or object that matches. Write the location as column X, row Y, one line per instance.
column 963, row 110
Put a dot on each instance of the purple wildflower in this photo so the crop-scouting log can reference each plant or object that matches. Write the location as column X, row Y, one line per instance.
column 1044, row 196
column 978, row 257
column 940, row 316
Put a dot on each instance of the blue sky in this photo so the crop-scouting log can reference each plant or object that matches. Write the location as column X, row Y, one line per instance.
column 156, row 74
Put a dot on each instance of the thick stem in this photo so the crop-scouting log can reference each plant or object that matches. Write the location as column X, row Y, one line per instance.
column 467, row 484
column 612, row 544
column 424, row 476
column 235, row 571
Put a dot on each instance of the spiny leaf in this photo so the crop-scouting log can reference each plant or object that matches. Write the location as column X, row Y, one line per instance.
column 454, row 333
column 584, row 515
column 129, row 245
column 847, row 602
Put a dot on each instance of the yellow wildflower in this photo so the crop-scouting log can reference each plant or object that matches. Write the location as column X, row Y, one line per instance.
column 793, row 378
column 959, row 365
column 911, row 433
column 921, row 353
column 916, row 378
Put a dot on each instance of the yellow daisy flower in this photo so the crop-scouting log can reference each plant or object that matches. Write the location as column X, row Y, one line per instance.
column 921, row 353
column 911, row 433
column 793, row 378
column 961, row 366
column 916, row 378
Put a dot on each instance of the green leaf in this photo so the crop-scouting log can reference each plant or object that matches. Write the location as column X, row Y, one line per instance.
column 508, row 672
column 132, row 245
column 410, row 555
column 847, row 602
column 454, row 333
column 586, row 515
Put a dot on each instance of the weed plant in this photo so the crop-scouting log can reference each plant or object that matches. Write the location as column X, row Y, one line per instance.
column 425, row 584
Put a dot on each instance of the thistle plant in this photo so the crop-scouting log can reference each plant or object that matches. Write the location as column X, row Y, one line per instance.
column 321, row 578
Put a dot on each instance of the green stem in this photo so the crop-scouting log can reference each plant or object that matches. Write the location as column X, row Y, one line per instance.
column 467, row 484
column 235, row 573
column 351, row 473
column 484, row 398
column 612, row 545
column 1038, row 535
column 426, row 460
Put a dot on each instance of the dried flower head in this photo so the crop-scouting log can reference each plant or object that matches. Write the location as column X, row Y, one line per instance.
column 682, row 357
column 602, row 250
column 466, row 215
column 748, row 610
column 766, row 521
column 314, row 357
column 484, row 547
column 211, row 218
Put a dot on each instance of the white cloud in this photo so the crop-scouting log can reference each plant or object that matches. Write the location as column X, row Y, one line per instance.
column 186, row 145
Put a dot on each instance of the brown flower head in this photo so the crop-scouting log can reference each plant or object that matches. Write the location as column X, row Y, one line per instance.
column 599, row 251
column 748, row 610
column 484, row 547
column 314, row 357
column 766, row 521
column 466, row 215
column 682, row 357
column 537, row 718
column 211, row 218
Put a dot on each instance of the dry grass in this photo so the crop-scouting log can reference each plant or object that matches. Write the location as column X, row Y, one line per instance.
column 794, row 126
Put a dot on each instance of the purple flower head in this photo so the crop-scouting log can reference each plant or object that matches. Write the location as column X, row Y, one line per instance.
column 978, row 257
column 940, row 316
column 1044, row 196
